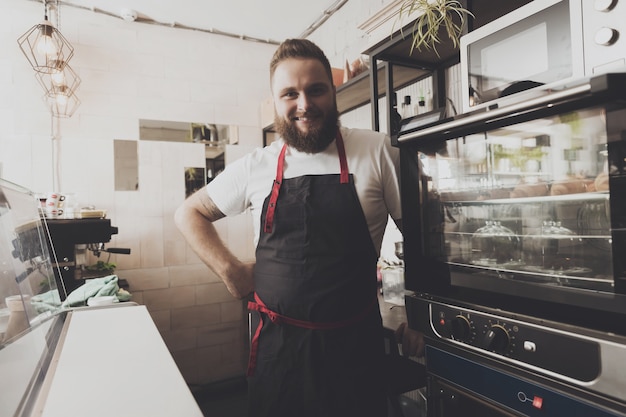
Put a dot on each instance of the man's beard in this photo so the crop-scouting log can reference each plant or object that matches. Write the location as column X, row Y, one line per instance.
column 315, row 140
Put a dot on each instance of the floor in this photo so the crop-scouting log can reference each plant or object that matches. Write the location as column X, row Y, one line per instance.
column 223, row 399
column 228, row 399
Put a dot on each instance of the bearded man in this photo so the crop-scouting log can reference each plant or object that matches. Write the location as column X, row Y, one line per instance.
column 320, row 197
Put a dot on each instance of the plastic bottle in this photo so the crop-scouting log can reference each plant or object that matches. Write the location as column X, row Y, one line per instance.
column 421, row 105
column 396, row 118
column 406, row 110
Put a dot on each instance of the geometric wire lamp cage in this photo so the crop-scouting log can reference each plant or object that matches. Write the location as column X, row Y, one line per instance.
column 60, row 87
column 45, row 47
column 63, row 103
column 63, row 80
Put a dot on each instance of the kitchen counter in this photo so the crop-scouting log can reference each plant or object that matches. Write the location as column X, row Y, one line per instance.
column 112, row 361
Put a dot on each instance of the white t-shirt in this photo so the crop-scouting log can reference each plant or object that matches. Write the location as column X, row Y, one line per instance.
column 374, row 163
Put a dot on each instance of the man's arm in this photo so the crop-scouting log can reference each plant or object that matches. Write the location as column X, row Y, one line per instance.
column 194, row 218
column 412, row 340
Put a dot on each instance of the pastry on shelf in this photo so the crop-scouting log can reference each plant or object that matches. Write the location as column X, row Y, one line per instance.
column 570, row 186
column 530, row 190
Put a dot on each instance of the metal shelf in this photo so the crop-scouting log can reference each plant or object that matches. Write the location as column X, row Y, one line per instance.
column 356, row 92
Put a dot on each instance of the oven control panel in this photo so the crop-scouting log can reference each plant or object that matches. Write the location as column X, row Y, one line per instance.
column 591, row 360
column 546, row 348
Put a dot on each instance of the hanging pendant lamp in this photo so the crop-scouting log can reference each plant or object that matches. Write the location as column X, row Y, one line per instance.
column 48, row 52
column 63, row 78
column 44, row 46
column 63, row 103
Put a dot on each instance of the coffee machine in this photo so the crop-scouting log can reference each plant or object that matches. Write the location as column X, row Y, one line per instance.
column 69, row 239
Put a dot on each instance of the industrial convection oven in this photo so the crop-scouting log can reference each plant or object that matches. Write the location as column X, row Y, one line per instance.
column 514, row 223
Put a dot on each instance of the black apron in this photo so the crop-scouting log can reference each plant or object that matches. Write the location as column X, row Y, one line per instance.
column 318, row 346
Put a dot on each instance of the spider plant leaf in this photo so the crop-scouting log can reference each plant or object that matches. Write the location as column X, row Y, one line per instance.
column 431, row 16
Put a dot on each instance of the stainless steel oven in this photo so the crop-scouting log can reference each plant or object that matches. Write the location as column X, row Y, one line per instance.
column 514, row 224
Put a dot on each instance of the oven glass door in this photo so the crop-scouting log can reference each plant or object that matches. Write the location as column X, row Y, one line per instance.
column 527, row 209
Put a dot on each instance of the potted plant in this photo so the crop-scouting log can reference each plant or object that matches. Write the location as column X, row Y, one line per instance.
column 431, row 16
column 99, row 269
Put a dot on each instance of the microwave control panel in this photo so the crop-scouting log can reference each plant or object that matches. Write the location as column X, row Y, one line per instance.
column 568, row 355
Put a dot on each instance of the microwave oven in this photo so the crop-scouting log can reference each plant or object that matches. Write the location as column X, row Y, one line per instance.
column 548, row 43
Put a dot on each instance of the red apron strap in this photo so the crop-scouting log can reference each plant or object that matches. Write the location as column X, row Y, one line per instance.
column 259, row 305
column 271, row 208
column 254, row 344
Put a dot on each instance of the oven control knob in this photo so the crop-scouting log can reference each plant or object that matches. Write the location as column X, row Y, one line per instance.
column 497, row 339
column 460, row 328
column 606, row 36
column 604, row 5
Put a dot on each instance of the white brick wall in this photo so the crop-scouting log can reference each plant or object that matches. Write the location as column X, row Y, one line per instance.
column 131, row 71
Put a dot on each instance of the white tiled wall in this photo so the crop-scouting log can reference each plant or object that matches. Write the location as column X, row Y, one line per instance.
column 132, row 71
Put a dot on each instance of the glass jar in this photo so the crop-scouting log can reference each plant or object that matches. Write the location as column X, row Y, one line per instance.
column 495, row 244
column 553, row 237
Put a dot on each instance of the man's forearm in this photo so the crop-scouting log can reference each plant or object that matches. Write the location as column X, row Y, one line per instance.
column 204, row 240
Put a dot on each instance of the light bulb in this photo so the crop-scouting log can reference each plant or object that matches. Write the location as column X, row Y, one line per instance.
column 45, row 43
column 46, row 46
column 58, row 77
column 61, row 100
column 62, row 96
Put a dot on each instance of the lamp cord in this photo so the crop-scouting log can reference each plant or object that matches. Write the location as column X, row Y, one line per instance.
column 55, row 138
column 52, row 165
column 58, row 14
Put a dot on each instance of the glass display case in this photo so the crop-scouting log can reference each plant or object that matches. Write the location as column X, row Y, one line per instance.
column 29, row 300
column 28, row 291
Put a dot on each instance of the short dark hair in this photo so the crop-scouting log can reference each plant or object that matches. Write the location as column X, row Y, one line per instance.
column 299, row 48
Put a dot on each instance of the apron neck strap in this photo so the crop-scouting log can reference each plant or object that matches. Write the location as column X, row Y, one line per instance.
column 343, row 161
column 271, row 208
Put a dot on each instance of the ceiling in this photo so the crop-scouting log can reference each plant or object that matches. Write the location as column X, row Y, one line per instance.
column 265, row 20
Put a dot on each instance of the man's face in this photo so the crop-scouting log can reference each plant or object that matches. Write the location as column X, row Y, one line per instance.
column 304, row 100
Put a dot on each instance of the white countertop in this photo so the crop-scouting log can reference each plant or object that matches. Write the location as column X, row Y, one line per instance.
column 113, row 362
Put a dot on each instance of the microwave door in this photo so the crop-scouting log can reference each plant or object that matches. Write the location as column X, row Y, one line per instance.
column 538, row 45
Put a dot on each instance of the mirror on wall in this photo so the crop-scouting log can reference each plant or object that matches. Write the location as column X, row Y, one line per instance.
column 215, row 137
column 126, row 163
column 211, row 134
